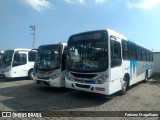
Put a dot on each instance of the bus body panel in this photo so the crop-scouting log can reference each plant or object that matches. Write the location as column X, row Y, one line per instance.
column 138, row 70
column 20, row 70
column 116, row 79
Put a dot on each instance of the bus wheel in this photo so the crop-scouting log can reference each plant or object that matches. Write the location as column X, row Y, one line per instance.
column 146, row 76
column 30, row 74
column 124, row 86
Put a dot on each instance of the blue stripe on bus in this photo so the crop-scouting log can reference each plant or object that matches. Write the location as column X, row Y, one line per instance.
column 133, row 65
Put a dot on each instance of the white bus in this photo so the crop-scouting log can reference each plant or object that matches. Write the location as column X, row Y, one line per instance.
column 17, row 63
column 105, row 62
column 49, row 69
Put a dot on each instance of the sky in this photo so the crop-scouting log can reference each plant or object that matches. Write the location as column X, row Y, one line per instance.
column 56, row 20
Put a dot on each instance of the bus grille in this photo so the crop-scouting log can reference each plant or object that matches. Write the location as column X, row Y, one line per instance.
column 83, row 75
column 83, row 86
column 85, row 81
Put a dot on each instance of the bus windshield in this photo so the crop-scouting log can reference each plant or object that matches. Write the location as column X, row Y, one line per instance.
column 6, row 58
column 48, row 57
column 87, row 57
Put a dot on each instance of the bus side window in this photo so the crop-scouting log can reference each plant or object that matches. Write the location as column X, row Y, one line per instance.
column 143, row 54
column 125, row 50
column 139, row 53
column 19, row 59
column 133, row 52
column 151, row 57
column 32, row 56
column 115, row 53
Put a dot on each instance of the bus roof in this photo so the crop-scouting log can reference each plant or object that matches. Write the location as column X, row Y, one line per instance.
column 19, row 49
column 58, row 43
column 114, row 33
column 110, row 31
column 63, row 43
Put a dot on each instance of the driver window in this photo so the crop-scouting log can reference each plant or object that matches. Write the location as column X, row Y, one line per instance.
column 19, row 59
column 115, row 53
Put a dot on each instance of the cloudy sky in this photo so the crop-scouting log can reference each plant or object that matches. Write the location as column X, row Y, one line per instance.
column 56, row 20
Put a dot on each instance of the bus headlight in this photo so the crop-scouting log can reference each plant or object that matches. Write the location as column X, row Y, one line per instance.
column 100, row 80
column 68, row 76
column 55, row 76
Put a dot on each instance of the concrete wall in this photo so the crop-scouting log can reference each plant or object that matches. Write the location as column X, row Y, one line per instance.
column 156, row 60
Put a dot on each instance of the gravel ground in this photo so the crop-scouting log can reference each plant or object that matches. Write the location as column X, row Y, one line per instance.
column 24, row 95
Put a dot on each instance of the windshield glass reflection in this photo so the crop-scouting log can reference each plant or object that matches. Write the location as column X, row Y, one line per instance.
column 87, row 57
column 48, row 57
column 6, row 58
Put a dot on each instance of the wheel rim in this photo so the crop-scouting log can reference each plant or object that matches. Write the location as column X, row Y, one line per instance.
column 124, row 87
column 31, row 74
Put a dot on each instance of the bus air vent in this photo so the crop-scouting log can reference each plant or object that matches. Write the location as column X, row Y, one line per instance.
column 83, row 86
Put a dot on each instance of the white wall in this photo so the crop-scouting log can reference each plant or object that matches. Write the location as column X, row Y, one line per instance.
column 156, row 60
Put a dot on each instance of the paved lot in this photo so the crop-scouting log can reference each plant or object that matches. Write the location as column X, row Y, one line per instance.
column 24, row 95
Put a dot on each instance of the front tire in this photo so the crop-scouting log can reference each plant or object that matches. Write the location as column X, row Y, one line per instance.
column 146, row 77
column 124, row 86
column 30, row 74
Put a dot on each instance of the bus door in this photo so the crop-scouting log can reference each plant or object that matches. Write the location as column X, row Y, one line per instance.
column 116, row 64
column 19, row 65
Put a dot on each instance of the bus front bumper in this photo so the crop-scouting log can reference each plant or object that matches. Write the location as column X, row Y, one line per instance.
column 50, row 82
column 93, row 88
column 2, row 76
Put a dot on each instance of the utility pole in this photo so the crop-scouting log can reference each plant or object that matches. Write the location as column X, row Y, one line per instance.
column 34, row 36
